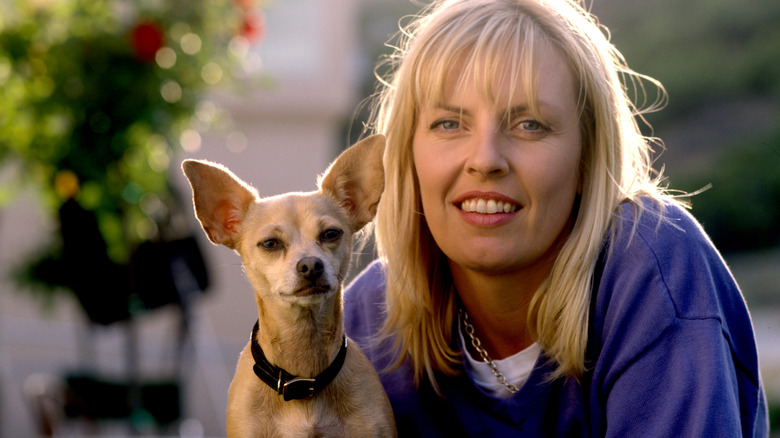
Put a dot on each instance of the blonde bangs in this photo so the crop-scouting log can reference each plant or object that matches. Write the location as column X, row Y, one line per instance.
column 490, row 50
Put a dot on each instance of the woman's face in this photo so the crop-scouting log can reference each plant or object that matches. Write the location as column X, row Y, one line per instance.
column 497, row 183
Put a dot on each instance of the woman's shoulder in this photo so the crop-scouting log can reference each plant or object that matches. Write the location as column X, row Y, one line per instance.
column 662, row 289
column 367, row 289
column 364, row 303
column 660, row 223
column 658, row 244
column 659, row 267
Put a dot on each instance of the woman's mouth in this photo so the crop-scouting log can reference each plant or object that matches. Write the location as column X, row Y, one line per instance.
column 487, row 206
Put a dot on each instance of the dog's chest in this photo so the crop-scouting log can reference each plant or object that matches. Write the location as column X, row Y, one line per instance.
column 315, row 420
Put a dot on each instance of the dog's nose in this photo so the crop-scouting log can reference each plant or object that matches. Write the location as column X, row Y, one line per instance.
column 310, row 268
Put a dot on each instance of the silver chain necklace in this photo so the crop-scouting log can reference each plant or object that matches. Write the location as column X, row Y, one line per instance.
column 477, row 344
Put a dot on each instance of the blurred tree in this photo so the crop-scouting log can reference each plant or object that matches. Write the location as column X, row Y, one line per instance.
column 741, row 211
column 720, row 63
column 98, row 95
column 703, row 51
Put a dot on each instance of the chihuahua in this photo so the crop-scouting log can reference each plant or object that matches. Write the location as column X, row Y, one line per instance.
column 299, row 375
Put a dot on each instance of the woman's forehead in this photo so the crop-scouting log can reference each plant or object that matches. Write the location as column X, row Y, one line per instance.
column 537, row 74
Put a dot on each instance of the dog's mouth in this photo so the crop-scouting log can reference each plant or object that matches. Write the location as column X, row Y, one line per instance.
column 310, row 290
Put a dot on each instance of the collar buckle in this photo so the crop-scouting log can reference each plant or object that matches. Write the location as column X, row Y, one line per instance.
column 298, row 389
column 290, row 386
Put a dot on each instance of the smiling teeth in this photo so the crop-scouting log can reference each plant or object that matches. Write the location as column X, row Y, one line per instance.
column 487, row 206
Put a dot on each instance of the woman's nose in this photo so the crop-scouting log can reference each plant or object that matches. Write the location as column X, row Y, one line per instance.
column 485, row 154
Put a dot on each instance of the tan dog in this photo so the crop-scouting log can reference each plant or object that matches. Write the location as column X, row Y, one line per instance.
column 296, row 251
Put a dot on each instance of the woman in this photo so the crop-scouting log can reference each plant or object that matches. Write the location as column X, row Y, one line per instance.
column 534, row 279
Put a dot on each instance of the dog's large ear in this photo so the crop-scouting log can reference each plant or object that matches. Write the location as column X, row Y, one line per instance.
column 357, row 179
column 221, row 200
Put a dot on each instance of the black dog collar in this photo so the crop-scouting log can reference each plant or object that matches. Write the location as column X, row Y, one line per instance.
column 290, row 386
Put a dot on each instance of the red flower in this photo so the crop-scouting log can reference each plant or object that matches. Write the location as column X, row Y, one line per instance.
column 253, row 27
column 147, row 38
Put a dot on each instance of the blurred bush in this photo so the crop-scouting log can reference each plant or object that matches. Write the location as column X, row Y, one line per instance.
column 703, row 51
column 741, row 211
column 713, row 56
column 98, row 95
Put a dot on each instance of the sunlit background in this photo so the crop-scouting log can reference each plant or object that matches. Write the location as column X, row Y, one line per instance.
column 118, row 318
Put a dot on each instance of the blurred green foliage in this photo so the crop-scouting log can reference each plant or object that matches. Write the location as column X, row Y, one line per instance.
column 97, row 98
column 741, row 211
column 701, row 50
column 96, row 95
column 710, row 53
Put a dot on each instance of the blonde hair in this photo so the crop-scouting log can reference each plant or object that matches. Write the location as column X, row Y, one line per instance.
column 488, row 35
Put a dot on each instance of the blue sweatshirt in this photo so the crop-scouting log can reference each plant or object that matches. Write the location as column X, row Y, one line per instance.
column 671, row 351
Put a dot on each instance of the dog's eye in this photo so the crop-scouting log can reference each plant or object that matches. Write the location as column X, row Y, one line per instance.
column 270, row 244
column 331, row 235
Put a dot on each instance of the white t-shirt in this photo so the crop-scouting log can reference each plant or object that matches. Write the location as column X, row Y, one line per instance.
column 515, row 368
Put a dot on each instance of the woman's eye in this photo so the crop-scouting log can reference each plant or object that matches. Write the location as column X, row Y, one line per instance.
column 445, row 125
column 331, row 235
column 532, row 125
column 270, row 244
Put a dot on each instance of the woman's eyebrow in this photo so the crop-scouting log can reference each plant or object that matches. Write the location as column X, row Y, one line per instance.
column 511, row 111
column 517, row 109
column 525, row 107
column 545, row 110
column 451, row 108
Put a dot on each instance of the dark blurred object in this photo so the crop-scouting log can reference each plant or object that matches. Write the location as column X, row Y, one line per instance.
column 91, row 397
column 168, row 272
column 160, row 272
column 101, row 286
